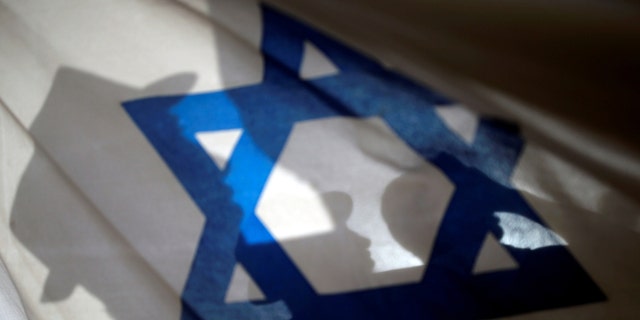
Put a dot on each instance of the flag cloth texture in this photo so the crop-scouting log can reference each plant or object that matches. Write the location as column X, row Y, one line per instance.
column 226, row 160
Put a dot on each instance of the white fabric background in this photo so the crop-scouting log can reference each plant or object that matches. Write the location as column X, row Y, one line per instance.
column 101, row 183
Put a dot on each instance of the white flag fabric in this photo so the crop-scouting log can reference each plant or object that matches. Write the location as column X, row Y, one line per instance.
column 226, row 160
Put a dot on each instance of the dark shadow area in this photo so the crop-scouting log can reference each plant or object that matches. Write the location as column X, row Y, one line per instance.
column 55, row 219
column 580, row 68
column 403, row 207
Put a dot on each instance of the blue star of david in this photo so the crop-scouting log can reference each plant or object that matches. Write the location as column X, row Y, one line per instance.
column 546, row 278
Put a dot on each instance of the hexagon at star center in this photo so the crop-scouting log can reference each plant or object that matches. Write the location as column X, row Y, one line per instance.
column 353, row 206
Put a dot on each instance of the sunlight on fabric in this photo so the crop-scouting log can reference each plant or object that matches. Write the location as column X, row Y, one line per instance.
column 288, row 194
column 522, row 233
column 88, row 303
column 219, row 144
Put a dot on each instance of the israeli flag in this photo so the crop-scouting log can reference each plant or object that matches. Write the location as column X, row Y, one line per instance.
column 158, row 165
column 337, row 189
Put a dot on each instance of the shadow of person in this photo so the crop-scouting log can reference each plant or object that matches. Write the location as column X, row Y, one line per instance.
column 58, row 218
column 338, row 261
column 405, row 207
